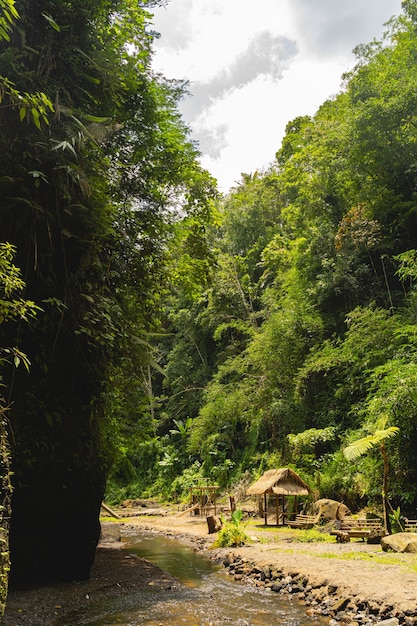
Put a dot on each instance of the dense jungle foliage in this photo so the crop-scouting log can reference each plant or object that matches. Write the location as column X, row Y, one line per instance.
column 99, row 181
column 169, row 334
column 304, row 339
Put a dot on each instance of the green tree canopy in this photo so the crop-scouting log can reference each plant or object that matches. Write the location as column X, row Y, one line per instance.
column 96, row 173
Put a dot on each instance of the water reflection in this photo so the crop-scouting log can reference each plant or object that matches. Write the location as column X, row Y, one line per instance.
column 203, row 595
column 171, row 556
column 208, row 597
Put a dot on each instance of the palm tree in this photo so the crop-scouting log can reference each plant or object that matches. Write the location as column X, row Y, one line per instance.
column 360, row 447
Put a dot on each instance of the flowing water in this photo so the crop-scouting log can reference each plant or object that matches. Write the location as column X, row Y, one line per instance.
column 206, row 596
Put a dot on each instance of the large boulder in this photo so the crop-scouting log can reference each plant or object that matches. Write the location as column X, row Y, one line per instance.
column 330, row 509
column 400, row 542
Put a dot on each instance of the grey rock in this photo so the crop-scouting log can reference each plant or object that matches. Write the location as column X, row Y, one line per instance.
column 400, row 542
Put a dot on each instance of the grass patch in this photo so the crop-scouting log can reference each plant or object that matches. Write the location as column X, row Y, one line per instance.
column 383, row 558
column 284, row 533
column 310, row 535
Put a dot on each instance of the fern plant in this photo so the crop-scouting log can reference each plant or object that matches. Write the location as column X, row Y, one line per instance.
column 360, row 447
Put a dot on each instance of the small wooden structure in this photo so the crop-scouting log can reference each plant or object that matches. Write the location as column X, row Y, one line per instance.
column 203, row 499
column 410, row 525
column 280, row 483
column 304, row 521
column 359, row 528
column 110, row 511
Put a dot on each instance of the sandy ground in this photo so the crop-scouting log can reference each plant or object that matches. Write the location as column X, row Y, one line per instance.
column 356, row 568
column 114, row 573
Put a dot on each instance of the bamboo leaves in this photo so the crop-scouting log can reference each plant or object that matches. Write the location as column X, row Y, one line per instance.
column 8, row 14
column 51, row 21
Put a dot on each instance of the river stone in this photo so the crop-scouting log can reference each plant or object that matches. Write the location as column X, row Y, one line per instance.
column 374, row 607
column 110, row 533
column 340, row 604
column 400, row 542
column 375, row 535
column 393, row 621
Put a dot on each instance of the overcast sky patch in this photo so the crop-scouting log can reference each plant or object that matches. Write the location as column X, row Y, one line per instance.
column 332, row 27
column 253, row 68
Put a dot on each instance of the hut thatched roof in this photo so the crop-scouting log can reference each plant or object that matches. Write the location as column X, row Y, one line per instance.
column 283, row 481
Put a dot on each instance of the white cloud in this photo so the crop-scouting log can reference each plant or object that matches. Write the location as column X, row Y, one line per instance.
column 178, row 32
column 265, row 55
column 253, row 68
column 329, row 27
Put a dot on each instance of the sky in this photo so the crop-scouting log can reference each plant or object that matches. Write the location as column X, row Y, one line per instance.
column 253, row 66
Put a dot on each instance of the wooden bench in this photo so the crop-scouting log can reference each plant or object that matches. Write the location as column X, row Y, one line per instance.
column 303, row 521
column 356, row 528
column 410, row 525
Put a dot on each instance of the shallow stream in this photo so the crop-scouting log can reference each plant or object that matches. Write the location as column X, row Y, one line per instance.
column 206, row 596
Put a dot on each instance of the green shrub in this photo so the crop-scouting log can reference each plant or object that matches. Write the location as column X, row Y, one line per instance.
column 232, row 533
column 397, row 521
column 180, row 487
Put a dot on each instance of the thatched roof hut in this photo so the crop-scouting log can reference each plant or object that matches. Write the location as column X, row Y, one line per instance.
column 281, row 482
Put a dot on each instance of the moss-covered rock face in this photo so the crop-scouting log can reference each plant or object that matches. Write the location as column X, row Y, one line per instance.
column 54, row 533
column 5, row 495
column 58, row 486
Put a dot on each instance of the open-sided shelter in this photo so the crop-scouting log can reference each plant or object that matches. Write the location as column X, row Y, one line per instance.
column 281, row 483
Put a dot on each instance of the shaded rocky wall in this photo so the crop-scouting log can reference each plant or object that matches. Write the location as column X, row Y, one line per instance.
column 5, row 497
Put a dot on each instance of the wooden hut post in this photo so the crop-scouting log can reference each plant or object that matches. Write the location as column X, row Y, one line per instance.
column 265, row 511
column 277, row 508
column 261, row 508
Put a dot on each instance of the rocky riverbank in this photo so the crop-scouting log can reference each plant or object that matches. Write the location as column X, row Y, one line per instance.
column 321, row 597
column 353, row 584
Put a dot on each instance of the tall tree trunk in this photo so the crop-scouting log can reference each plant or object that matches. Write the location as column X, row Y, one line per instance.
column 387, row 523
